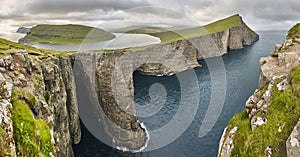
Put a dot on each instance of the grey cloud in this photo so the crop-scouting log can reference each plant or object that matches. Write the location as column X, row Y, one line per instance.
column 65, row 6
column 267, row 14
column 276, row 10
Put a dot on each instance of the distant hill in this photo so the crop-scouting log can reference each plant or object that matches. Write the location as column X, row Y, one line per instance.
column 65, row 34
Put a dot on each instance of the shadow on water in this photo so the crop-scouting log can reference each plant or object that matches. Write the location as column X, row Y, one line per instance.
column 242, row 73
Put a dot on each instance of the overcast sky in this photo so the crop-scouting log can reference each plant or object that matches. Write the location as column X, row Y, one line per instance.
column 258, row 14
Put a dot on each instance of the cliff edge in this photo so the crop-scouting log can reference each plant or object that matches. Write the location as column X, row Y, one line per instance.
column 269, row 125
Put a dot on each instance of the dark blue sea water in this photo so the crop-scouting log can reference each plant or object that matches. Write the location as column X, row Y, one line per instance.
column 242, row 73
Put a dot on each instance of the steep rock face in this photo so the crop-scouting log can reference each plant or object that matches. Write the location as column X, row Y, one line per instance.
column 57, row 97
column 114, row 92
column 72, row 106
column 292, row 144
column 60, row 94
column 46, row 96
column 6, row 126
column 195, row 48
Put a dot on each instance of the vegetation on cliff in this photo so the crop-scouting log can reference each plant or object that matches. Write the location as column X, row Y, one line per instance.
column 66, row 34
column 6, row 45
column 32, row 136
column 9, row 45
column 294, row 32
column 283, row 112
column 2, row 142
column 169, row 36
column 291, row 39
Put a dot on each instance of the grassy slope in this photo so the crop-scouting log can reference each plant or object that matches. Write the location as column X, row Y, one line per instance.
column 169, row 36
column 294, row 32
column 66, row 34
column 284, row 110
column 32, row 136
column 6, row 45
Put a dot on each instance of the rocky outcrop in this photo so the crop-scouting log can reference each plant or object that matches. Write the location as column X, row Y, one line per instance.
column 274, row 73
column 116, row 94
column 47, row 96
column 292, row 144
column 23, row 30
column 227, row 142
column 6, row 123
column 72, row 106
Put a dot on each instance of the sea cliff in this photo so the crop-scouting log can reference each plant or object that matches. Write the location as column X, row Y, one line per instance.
column 269, row 125
column 38, row 100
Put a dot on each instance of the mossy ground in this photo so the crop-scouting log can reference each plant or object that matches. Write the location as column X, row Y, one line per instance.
column 294, row 32
column 7, row 46
column 26, row 96
column 67, row 34
column 2, row 142
column 32, row 136
column 283, row 111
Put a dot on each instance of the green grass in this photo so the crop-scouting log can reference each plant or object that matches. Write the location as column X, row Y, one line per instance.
column 32, row 137
column 169, row 36
column 9, row 45
column 295, row 80
column 66, row 34
column 25, row 95
column 3, row 148
column 6, row 46
column 294, row 32
column 284, row 110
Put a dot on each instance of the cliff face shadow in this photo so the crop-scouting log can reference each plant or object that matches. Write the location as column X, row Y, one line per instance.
column 88, row 107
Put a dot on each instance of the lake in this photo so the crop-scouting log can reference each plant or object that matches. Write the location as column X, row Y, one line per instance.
column 122, row 40
column 242, row 73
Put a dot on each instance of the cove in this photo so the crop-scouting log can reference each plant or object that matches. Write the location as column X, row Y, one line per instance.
column 242, row 72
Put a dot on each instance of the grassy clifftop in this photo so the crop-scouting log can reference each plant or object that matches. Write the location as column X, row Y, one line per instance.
column 66, row 34
column 169, row 36
column 6, row 45
column 294, row 32
column 284, row 110
column 278, row 107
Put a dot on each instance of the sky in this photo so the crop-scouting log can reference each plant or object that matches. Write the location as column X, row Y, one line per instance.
column 110, row 14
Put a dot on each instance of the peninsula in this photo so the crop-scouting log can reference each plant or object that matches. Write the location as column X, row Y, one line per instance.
column 64, row 34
